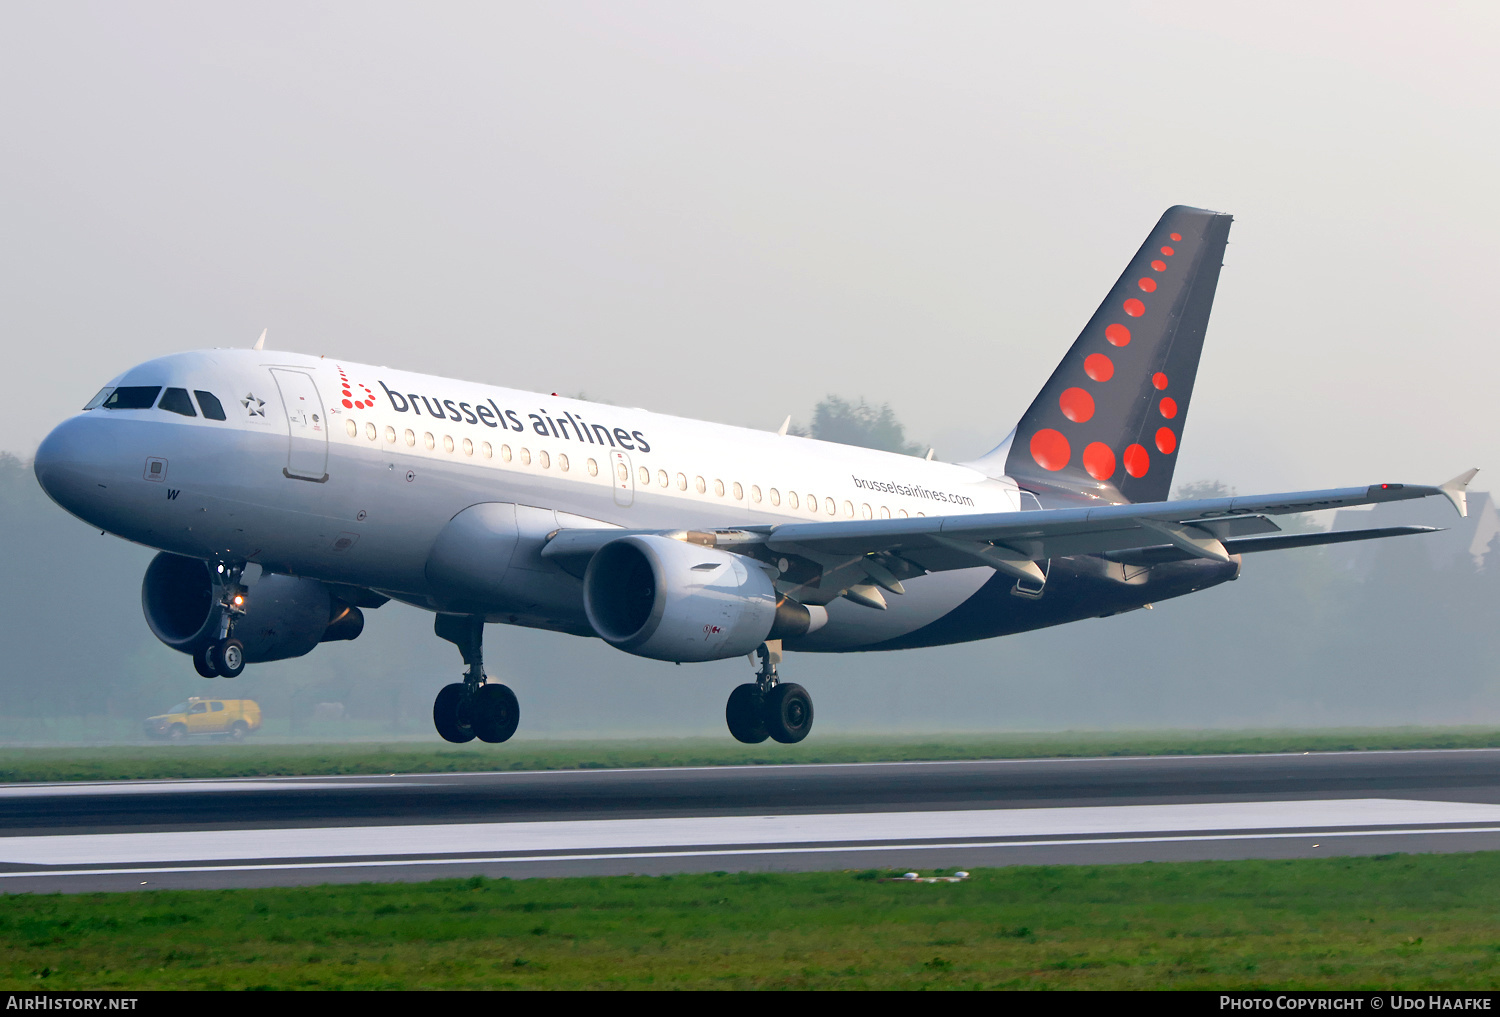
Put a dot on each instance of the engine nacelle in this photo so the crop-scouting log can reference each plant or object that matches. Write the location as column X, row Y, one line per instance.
column 670, row 600
column 284, row 616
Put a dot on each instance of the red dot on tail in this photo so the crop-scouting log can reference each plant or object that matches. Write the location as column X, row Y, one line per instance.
column 1159, row 265
column 348, row 405
column 1077, row 405
column 1134, row 308
column 1148, row 284
column 1118, row 335
column 1137, row 461
column 1166, row 441
column 1159, row 380
column 1050, row 449
column 1099, row 460
column 1099, row 367
column 359, row 404
column 1168, row 251
column 1176, row 237
column 1169, row 407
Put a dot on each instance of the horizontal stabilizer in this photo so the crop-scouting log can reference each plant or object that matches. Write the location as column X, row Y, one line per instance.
column 1160, row 553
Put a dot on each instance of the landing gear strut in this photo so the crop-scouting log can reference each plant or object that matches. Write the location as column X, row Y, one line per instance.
column 225, row 657
column 476, row 706
column 767, row 707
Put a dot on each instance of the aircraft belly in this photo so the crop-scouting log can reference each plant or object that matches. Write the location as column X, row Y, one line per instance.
column 927, row 598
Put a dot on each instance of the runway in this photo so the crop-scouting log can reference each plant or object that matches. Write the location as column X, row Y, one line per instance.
column 290, row 831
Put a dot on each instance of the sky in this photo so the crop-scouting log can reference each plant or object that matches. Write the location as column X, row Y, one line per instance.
column 731, row 211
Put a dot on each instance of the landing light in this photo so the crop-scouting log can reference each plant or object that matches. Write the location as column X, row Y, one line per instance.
column 238, row 600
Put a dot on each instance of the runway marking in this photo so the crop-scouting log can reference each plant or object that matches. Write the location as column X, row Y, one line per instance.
column 701, row 833
column 728, row 852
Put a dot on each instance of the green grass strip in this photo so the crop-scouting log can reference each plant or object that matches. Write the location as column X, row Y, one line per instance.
column 1389, row 922
column 258, row 759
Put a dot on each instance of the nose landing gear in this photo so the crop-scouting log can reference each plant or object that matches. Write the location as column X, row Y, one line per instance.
column 768, row 708
column 475, row 707
column 225, row 657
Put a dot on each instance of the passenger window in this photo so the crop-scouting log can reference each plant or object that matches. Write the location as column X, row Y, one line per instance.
column 681, row 482
column 487, row 450
column 543, row 459
column 866, row 511
column 885, row 513
column 849, row 510
column 593, row 468
column 447, row 443
column 370, row 431
column 812, row 504
column 621, row 472
column 390, row 435
column 104, row 392
column 199, row 708
column 132, row 397
column 429, row 440
column 719, row 488
column 755, row 494
column 411, row 438
column 352, row 428
column 217, row 707
column 175, row 400
column 505, row 453
column 791, row 499
column 923, row 514
column 526, row 457
column 902, row 513
column 210, row 405
column 661, row 478
column 468, row 447
column 775, row 496
column 739, row 492
column 645, row 476
column 562, row 462
column 699, row 485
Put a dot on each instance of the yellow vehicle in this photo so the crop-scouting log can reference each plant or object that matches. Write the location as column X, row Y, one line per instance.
column 201, row 716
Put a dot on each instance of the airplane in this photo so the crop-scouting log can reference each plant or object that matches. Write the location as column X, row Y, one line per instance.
column 287, row 494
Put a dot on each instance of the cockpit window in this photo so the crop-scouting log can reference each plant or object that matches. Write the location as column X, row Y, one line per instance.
column 212, row 408
column 175, row 400
column 132, row 397
column 103, row 395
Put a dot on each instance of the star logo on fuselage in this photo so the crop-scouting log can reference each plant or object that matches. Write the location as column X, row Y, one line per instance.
column 255, row 407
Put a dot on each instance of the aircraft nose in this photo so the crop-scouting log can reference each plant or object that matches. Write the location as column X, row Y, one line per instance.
column 66, row 463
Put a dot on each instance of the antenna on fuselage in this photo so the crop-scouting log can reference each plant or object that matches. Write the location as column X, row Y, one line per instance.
column 260, row 343
column 784, row 425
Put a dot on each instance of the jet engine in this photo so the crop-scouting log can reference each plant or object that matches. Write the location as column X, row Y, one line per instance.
column 671, row 600
column 284, row 616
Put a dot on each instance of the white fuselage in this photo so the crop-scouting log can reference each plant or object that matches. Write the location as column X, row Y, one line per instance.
column 347, row 473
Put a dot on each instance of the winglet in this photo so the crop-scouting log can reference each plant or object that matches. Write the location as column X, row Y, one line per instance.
column 784, row 425
column 260, row 343
column 1457, row 489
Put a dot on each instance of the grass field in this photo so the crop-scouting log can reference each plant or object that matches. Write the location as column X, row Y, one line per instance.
column 1397, row 922
column 256, row 759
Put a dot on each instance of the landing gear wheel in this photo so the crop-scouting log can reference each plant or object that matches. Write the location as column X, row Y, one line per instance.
column 229, row 657
column 446, row 714
column 203, row 662
column 494, row 713
column 745, row 714
column 788, row 714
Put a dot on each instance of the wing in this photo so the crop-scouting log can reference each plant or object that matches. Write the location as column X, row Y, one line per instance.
column 815, row 563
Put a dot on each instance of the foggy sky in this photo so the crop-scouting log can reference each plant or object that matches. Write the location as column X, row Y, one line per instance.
column 730, row 211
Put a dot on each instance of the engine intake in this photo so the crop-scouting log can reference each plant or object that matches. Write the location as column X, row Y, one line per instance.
column 669, row 600
column 284, row 616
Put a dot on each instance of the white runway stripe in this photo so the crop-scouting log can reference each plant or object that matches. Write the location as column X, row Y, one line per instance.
column 725, row 831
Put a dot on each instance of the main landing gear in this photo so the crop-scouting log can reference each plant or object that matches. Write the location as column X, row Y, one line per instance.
column 225, row 657
column 474, row 707
column 767, row 707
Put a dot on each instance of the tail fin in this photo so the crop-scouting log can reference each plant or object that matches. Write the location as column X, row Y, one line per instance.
column 1108, row 424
